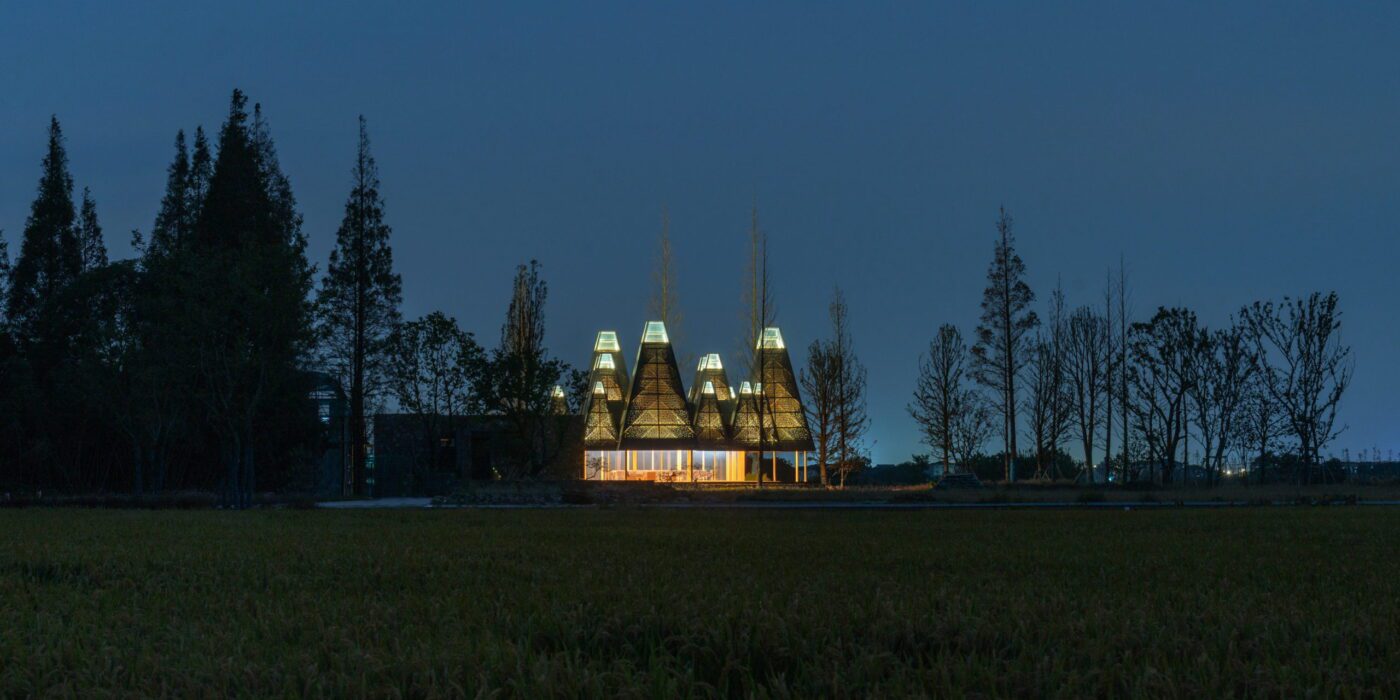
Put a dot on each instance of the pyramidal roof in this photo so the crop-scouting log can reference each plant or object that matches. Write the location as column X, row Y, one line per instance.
column 775, row 395
column 607, row 379
column 599, row 420
column 711, row 428
column 656, row 406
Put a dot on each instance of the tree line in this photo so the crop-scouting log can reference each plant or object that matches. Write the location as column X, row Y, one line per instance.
column 1261, row 391
column 189, row 366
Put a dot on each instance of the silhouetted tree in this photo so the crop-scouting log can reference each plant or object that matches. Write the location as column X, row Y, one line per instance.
column 1002, row 335
column 358, row 304
column 1304, row 366
column 522, row 377
column 1048, row 403
column 1163, row 350
column 758, row 298
column 435, row 371
column 850, row 415
column 248, row 289
column 1219, row 383
column 1086, row 367
column 50, row 256
column 819, row 383
column 942, row 398
column 176, row 218
column 91, row 245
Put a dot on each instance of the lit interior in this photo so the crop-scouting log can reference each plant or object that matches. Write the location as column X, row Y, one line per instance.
column 607, row 342
column 655, row 333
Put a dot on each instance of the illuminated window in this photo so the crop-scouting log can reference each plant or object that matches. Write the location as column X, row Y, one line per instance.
column 598, row 388
column 709, row 388
column 655, row 333
column 558, row 391
column 772, row 339
column 745, row 388
column 604, row 362
column 711, row 361
column 607, row 342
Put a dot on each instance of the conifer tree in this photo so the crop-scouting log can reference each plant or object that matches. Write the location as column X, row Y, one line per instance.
column 174, row 221
column 248, row 294
column 201, row 170
column 90, row 243
column 1003, row 334
column 49, row 255
column 358, row 303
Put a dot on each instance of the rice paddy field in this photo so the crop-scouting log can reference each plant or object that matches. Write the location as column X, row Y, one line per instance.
column 636, row 602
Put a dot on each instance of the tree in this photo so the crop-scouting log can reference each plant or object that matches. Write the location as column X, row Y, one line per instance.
column 522, row 377
column 942, row 398
column 664, row 306
column 90, row 244
column 820, row 384
column 973, row 428
column 761, row 314
column 851, row 419
column 1304, row 367
column 50, row 256
column 358, row 303
column 1219, row 383
column 1002, row 335
column 1048, row 404
column 247, row 291
column 176, row 218
column 1086, row 367
column 1162, row 351
column 435, row 371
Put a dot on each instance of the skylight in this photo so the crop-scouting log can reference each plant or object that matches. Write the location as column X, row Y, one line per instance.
column 772, row 339
column 655, row 333
column 607, row 342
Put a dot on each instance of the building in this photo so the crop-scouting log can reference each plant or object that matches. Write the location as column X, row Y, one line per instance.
column 647, row 426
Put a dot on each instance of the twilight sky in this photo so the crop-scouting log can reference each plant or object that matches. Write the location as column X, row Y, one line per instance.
column 1227, row 155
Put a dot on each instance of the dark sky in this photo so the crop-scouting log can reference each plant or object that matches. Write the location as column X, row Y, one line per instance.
column 1227, row 155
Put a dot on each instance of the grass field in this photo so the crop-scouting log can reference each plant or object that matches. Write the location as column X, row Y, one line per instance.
column 636, row 602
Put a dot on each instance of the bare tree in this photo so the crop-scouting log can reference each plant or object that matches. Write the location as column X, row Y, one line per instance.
column 973, row 428
column 1304, row 366
column 851, row 417
column 761, row 314
column 1262, row 424
column 1124, row 369
column 1002, row 334
column 1110, row 369
column 1220, row 376
column 1048, row 405
column 1162, row 353
column 1085, row 366
column 820, row 383
column 941, row 395
column 664, row 304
